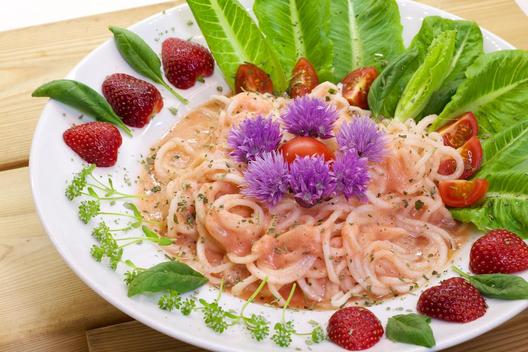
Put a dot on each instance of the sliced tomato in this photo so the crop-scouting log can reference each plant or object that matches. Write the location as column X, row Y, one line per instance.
column 250, row 78
column 462, row 193
column 304, row 78
column 471, row 153
column 305, row 146
column 356, row 86
column 460, row 131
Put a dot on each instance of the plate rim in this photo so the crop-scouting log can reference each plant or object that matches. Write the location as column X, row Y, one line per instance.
column 181, row 334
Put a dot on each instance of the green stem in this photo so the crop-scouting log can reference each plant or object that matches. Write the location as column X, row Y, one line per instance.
column 173, row 92
column 133, row 242
column 252, row 297
column 290, row 296
column 110, row 198
column 220, row 290
column 459, row 272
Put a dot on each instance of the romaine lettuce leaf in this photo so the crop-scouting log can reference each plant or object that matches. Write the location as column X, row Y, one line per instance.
column 505, row 205
column 506, row 151
column 234, row 38
column 468, row 47
column 298, row 28
column 428, row 78
column 364, row 33
column 495, row 90
column 385, row 92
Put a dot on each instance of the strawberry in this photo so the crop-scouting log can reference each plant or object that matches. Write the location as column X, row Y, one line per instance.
column 354, row 328
column 184, row 62
column 453, row 300
column 499, row 251
column 96, row 142
column 133, row 99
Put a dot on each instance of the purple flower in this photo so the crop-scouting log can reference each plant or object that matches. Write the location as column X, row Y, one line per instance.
column 362, row 136
column 267, row 178
column 311, row 180
column 308, row 116
column 351, row 173
column 254, row 137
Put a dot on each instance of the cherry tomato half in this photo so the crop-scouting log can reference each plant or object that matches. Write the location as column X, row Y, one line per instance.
column 462, row 193
column 471, row 152
column 305, row 146
column 304, row 78
column 250, row 78
column 460, row 131
column 356, row 86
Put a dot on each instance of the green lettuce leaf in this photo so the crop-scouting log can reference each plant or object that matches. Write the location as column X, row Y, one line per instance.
column 364, row 33
column 505, row 205
column 468, row 47
column 496, row 91
column 428, row 78
column 298, row 28
column 506, row 151
column 385, row 92
column 234, row 38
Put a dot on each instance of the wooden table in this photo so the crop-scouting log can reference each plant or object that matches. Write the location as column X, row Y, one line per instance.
column 43, row 305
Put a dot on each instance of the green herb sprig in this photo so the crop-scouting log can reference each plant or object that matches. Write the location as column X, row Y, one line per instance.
column 85, row 183
column 83, row 98
column 499, row 286
column 138, row 54
column 411, row 328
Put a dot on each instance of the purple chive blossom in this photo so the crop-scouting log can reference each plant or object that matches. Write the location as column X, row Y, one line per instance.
column 308, row 116
column 311, row 180
column 254, row 137
column 362, row 136
column 267, row 178
column 351, row 174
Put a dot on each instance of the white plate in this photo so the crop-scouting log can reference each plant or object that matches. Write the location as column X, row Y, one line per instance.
column 52, row 163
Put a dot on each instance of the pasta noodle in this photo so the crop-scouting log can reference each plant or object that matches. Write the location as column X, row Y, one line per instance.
column 337, row 251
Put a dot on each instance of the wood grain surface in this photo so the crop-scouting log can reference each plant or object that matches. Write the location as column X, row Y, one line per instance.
column 43, row 305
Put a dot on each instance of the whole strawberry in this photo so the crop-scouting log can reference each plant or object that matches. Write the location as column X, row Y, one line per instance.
column 354, row 328
column 453, row 300
column 184, row 62
column 96, row 142
column 499, row 251
column 132, row 99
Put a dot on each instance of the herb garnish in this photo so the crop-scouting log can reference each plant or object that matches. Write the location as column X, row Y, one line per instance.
column 83, row 98
column 500, row 286
column 410, row 328
column 138, row 54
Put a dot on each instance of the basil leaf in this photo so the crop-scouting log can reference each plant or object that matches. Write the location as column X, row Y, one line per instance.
column 364, row 33
column 500, row 286
column 138, row 54
column 411, row 328
column 495, row 90
column 385, row 92
column 78, row 95
column 300, row 29
column 428, row 78
column 234, row 39
column 468, row 47
column 170, row 275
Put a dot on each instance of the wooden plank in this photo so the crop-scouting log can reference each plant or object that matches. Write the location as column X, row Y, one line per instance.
column 35, row 55
column 43, row 305
column 133, row 337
